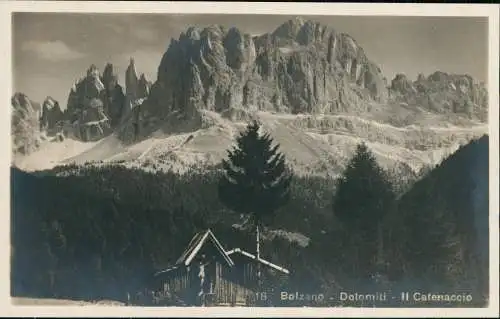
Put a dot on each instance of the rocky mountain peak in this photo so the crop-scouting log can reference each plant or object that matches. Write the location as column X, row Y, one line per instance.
column 50, row 103
column 143, row 87
column 420, row 77
column 93, row 71
column 299, row 21
column 131, row 80
column 95, row 104
column 291, row 28
column 93, row 78
column 443, row 93
column 22, row 102
column 137, row 88
column 108, row 70
column 131, row 66
column 51, row 117
column 213, row 31
column 193, row 33
column 401, row 83
column 109, row 77
column 25, row 129
column 301, row 67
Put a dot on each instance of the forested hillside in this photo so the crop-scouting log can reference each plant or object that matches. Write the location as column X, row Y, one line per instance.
column 444, row 222
column 97, row 232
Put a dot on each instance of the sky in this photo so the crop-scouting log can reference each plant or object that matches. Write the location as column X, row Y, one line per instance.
column 51, row 51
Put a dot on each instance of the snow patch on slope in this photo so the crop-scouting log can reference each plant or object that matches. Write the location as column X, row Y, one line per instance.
column 312, row 144
column 51, row 154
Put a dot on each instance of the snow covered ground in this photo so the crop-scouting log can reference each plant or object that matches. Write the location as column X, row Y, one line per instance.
column 51, row 154
column 312, row 144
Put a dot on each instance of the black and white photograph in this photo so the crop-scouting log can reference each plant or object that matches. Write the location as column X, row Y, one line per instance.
column 283, row 160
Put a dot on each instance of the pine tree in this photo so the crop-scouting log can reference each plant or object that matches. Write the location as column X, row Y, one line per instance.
column 363, row 197
column 256, row 180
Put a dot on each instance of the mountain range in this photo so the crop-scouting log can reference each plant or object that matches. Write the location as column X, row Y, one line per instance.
column 313, row 88
column 318, row 95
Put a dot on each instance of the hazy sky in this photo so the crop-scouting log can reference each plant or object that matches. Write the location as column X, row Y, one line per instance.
column 52, row 50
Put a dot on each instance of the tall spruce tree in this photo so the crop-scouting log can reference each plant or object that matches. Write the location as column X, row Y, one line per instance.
column 256, row 181
column 363, row 197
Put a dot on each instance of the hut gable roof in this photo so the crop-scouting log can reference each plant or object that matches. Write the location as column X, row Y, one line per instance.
column 260, row 260
column 197, row 243
column 200, row 239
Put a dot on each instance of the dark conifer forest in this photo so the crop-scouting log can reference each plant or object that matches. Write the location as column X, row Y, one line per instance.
column 100, row 231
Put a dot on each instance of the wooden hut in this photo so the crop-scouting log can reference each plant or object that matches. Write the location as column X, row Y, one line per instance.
column 206, row 274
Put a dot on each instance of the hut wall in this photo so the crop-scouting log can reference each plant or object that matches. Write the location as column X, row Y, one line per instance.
column 178, row 281
column 231, row 288
column 236, row 285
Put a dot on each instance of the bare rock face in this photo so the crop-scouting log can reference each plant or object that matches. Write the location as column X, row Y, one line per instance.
column 52, row 117
column 402, row 84
column 131, row 83
column 95, row 104
column 443, row 93
column 114, row 102
column 25, row 128
column 136, row 88
column 143, row 87
column 301, row 67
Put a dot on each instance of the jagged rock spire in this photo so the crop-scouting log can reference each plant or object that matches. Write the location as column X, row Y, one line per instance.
column 131, row 80
column 109, row 78
column 93, row 71
column 95, row 104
